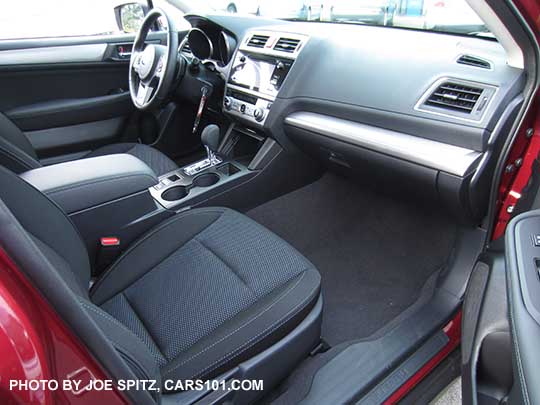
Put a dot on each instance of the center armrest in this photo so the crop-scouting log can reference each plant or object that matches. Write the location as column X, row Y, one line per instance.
column 85, row 183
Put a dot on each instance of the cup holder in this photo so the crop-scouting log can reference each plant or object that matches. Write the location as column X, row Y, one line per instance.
column 206, row 180
column 175, row 193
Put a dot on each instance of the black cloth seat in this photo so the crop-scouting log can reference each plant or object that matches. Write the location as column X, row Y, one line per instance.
column 18, row 155
column 207, row 289
column 192, row 298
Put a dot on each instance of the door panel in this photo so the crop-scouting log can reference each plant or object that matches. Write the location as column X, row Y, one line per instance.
column 69, row 95
column 523, row 275
column 486, row 349
column 57, row 141
column 501, row 324
column 26, row 85
column 53, row 54
column 70, row 111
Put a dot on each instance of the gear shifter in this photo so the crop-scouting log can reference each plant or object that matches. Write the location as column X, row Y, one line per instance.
column 210, row 140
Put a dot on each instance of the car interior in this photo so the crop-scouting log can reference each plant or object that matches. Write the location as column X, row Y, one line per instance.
column 299, row 202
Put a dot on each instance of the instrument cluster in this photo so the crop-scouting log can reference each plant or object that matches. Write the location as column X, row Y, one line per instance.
column 209, row 43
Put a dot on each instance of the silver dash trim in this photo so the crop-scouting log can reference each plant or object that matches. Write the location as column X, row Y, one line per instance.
column 54, row 54
column 437, row 155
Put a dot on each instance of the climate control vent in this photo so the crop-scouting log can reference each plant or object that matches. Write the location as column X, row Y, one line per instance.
column 455, row 97
column 289, row 45
column 474, row 61
column 258, row 41
column 186, row 48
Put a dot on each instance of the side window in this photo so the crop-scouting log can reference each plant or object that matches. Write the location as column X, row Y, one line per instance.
column 23, row 19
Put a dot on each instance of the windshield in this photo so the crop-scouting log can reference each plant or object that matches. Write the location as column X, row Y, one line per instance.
column 452, row 16
column 56, row 18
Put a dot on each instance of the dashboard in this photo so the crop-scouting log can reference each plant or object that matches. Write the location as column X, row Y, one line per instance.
column 432, row 108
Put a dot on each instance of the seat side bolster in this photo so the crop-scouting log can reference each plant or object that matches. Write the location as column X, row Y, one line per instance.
column 15, row 159
column 128, row 345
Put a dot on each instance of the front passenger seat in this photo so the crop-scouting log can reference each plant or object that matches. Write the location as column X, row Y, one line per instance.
column 193, row 298
column 18, row 155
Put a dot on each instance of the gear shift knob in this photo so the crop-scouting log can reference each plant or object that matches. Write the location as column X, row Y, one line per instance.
column 210, row 137
column 210, row 140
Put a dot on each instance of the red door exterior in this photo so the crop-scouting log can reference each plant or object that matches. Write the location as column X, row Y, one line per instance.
column 36, row 345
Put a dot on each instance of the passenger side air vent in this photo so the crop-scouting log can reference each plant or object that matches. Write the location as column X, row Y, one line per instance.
column 455, row 97
column 288, row 45
column 258, row 41
column 474, row 61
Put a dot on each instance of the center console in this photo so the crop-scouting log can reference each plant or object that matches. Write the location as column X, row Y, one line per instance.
column 219, row 172
column 105, row 197
column 258, row 71
column 178, row 189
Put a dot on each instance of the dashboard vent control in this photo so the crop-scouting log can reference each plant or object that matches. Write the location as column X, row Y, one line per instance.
column 455, row 97
column 287, row 45
column 258, row 41
column 474, row 61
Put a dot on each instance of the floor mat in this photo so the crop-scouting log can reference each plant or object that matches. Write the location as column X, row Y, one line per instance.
column 374, row 252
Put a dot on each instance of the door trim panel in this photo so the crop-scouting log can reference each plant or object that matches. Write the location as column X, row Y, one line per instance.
column 54, row 54
column 90, row 133
column 522, row 255
column 60, row 113
column 33, row 43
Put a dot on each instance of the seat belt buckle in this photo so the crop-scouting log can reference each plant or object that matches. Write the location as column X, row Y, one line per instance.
column 108, row 241
column 108, row 250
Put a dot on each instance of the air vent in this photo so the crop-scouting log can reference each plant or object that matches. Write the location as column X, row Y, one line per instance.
column 258, row 41
column 186, row 48
column 287, row 45
column 474, row 61
column 455, row 97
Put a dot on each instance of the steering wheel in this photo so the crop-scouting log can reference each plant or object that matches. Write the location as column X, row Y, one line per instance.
column 152, row 66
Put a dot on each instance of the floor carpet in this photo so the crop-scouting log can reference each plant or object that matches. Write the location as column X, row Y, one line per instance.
column 374, row 252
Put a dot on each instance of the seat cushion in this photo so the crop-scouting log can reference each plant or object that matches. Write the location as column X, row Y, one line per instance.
column 207, row 289
column 155, row 159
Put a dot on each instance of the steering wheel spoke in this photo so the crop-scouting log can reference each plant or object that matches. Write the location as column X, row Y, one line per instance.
column 136, row 57
column 144, row 92
column 160, row 66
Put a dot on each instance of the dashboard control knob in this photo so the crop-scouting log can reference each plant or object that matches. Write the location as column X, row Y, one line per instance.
column 280, row 66
column 227, row 102
column 243, row 108
column 258, row 114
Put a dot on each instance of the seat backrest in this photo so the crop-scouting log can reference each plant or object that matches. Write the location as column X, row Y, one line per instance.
column 41, row 239
column 16, row 152
column 51, row 230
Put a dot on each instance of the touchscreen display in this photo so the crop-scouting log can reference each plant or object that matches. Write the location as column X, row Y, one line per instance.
column 254, row 74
